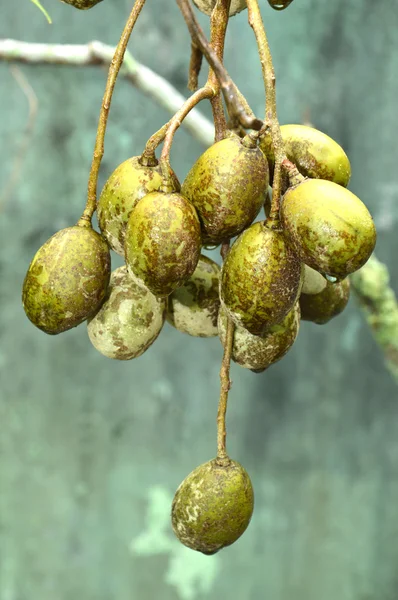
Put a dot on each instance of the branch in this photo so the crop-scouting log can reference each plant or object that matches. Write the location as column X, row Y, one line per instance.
column 98, row 54
column 380, row 307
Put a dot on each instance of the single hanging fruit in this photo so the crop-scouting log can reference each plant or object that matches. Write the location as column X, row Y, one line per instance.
column 320, row 308
column 130, row 182
column 227, row 185
column 279, row 4
column 129, row 320
column 260, row 279
column 313, row 282
column 193, row 308
column 82, row 4
column 206, row 6
column 328, row 226
column 260, row 352
column 162, row 243
column 213, row 506
column 67, row 279
column 315, row 154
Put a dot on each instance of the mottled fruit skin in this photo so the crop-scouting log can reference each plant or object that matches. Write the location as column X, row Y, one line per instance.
column 129, row 320
column 206, row 6
column 67, row 279
column 260, row 352
column 193, row 308
column 130, row 182
column 228, row 186
column 260, row 279
column 163, row 242
column 313, row 282
column 328, row 226
column 82, row 4
column 315, row 154
column 320, row 308
column 213, row 506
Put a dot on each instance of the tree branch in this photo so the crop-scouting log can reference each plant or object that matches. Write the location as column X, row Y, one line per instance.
column 98, row 54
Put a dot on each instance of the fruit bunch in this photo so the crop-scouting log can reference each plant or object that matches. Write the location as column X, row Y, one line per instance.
column 292, row 263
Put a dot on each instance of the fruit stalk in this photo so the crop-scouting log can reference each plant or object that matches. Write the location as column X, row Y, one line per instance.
column 256, row 23
column 113, row 72
column 222, row 456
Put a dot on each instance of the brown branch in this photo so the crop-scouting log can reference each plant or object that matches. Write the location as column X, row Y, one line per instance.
column 195, row 66
column 104, row 112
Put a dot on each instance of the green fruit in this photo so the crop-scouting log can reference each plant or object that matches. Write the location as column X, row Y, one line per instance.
column 129, row 320
column 206, row 6
column 67, row 279
column 162, row 244
column 328, row 226
column 130, row 182
column 82, row 4
column 213, row 506
column 260, row 279
column 193, row 308
column 279, row 4
column 313, row 282
column 260, row 352
column 228, row 186
column 320, row 308
column 315, row 154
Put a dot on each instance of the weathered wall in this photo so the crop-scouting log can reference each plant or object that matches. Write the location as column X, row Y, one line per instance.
column 91, row 450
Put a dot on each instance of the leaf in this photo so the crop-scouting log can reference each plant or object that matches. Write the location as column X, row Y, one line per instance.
column 43, row 10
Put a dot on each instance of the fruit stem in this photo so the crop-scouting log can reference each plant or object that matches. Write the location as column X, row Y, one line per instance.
column 218, row 29
column 222, row 455
column 113, row 72
column 256, row 23
column 234, row 105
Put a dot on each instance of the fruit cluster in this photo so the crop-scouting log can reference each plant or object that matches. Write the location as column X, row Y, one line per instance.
column 291, row 265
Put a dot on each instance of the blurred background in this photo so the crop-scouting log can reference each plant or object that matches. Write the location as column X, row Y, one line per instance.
column 92, row 450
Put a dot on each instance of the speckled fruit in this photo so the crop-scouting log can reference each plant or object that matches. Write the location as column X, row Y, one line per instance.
column 320, row 308
column 313, row 282
column 315, row 154
column 260, row 279
column 328, row 226
column 206, row 6
column 279, row 4
column 213, row 506
column 82, row 4
column 228, row 186
column 129, row 320
column 67, row 279
column 163, row 243
column 130, row 182
column 193, row 308
column 260, row 352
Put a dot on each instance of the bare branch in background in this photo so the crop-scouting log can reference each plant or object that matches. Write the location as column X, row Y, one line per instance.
column 99, row 54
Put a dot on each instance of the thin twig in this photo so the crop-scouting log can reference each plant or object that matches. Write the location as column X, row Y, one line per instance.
column 377, row 299
column 195, row 66
column 271, row 116
column 27, row 136
column 104, row 112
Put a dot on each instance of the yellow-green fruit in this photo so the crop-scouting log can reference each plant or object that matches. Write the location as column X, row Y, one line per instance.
column 313, row 282
column 67, row 279
column 163, row 243
column 129, row 320
column 315, row 154
column 82, row 4
column 130, row 182
column 260, row 352
column 279, row 4
column 206, row 6
column 328, row 226
column 228, row 186
column 193, row 308
column 320, row 308
column 260, row 279
column 213, row 506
